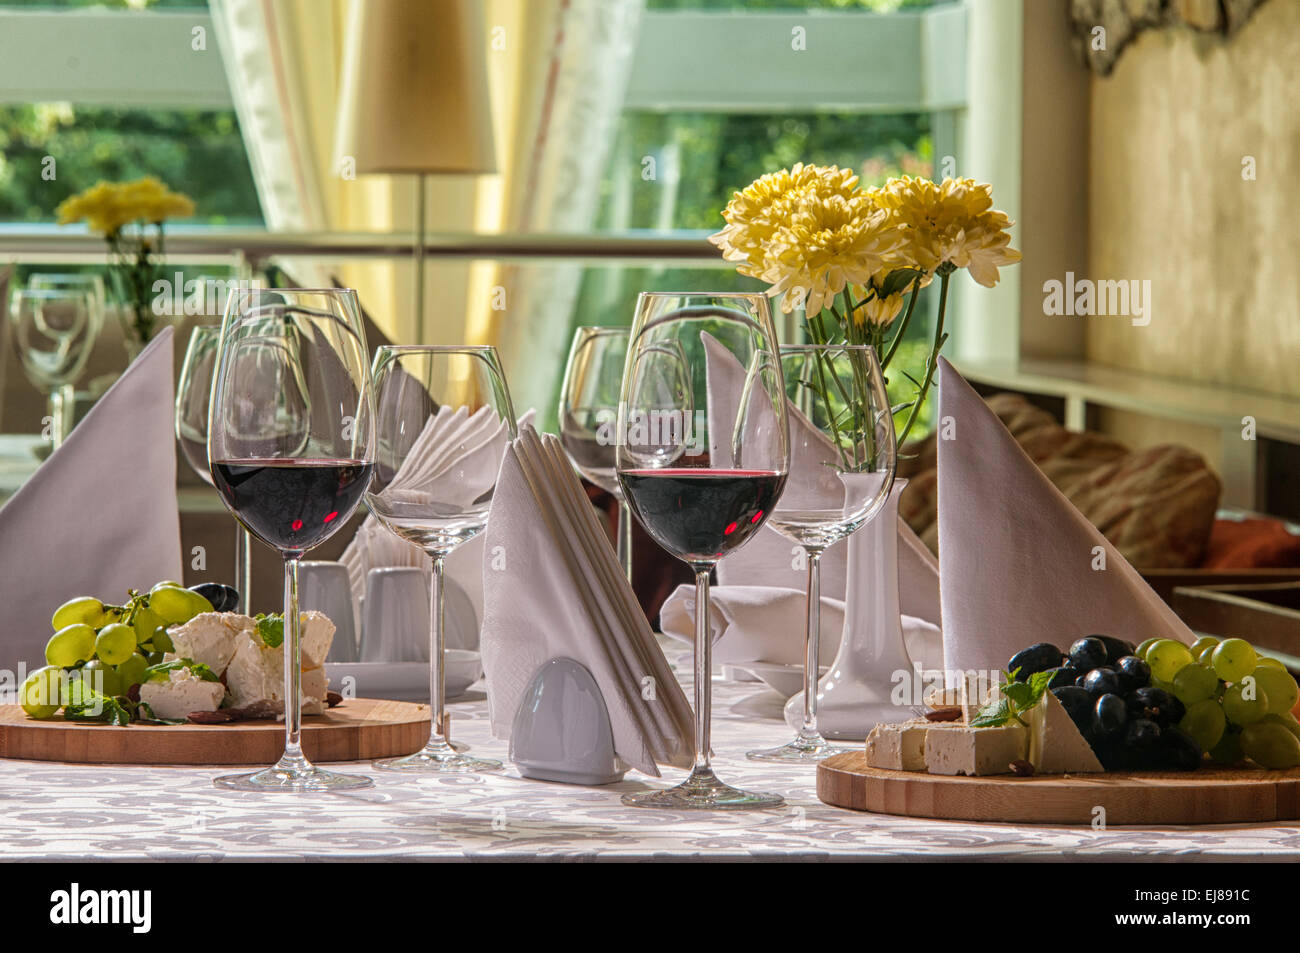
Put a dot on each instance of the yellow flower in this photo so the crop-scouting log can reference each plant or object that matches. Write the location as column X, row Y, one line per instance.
column 953, row 223
column 809, row 229
column 877, row 310
column 107, row 206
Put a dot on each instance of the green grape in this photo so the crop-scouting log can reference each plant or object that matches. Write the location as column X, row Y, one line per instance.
column 1228, row 750
column 115, row 643
column 154, row 658
column 1272, row 662
column 162, row 642
column 131, row 672
column 102, row 678
column 145, row 621
column 1271, row 745
column 175, row 605
column 39, row 694
column 1234, row 659
column 1206, row 656
column 1279, row 686
column 1201, row 644
column 1241, row 710
column 70, row 645
column 1194, row 683
column 1287, row 721
column 1166, row 657
column 83, row 610
column 1141, row 650
column 1205, row 722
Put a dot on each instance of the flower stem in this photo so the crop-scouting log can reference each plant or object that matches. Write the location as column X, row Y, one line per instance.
column 902, row 327
column 931, row 363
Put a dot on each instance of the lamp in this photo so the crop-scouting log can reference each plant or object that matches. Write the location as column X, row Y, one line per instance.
column 414, row 98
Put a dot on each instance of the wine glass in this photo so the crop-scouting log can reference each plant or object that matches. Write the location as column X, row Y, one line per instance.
column 842, row 433
column 291, row 448
column 72, row 281
column 701, row 482
column 193, row 397
column 55, row 329
column 444, row 421
column 589, row 415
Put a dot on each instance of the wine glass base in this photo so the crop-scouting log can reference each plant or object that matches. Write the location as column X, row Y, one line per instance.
column 703, row 791
column 441, row 761
column 301, row 778
column 799, row 751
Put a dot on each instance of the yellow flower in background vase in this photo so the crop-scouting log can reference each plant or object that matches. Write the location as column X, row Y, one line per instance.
column 753, row 214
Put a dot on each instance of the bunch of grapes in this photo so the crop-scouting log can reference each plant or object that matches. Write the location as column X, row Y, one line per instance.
column 1238, row 703
column 106, row 648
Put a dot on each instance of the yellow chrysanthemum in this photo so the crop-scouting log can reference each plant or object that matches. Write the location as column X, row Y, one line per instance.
column 753, row 215
column 952, row 223
column 107, row 206
column 875, row 309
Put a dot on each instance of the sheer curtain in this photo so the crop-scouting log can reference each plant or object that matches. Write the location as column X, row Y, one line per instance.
column 557, row 71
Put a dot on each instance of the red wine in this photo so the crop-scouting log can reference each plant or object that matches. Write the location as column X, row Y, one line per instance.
column 698, row 515
column 289, row 504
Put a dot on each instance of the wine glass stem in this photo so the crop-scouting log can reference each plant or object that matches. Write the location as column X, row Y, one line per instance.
column 244, row 568
column 292, row 665
column 812, row 645
column 437, row 676
column 703, row 671
column 62, row 399
column 625, row 538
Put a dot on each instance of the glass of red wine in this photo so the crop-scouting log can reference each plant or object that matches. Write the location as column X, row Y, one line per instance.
column 702, row 476
column 842, row 433
column 291, row 448
column 445, row 419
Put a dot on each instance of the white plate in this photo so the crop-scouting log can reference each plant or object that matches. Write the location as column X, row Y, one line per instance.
column 787, row 680
column 405, row 681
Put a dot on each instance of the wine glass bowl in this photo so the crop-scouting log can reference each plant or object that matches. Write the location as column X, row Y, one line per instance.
column 291, row 449
column 55, row 329
column 844, row 460
column 444, row 422
column 702, row 475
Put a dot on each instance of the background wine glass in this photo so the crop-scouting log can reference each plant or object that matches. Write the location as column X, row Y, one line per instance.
column 444, row 421
column 73, row 281
column 588, row 413
column 55, row 330
column 702, row 484
column 291, row 448
column 842, row 433
column 193, row 398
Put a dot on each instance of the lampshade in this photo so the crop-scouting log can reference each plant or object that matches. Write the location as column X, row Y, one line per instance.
column 414, row 92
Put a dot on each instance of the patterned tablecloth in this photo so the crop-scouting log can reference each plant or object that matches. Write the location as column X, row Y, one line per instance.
column 76, row 812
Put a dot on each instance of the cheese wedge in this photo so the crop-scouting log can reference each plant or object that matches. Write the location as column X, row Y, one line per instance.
column 182, row 693
column 975, row 751
column 317, row 636
column 901, row 747
column 1055, row 744
column 210, row 638
column 256, row 674
column 970, row 695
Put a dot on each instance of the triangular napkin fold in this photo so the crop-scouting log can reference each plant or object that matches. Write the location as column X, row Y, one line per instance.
column 1019, row 563
column 553, row 589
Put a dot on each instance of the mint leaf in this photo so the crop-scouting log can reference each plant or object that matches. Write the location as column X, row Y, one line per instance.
column 1017, row 698
column 162, row 671
column 271, row 629
column 92, row 706
column 995, row 713
column 145, row 713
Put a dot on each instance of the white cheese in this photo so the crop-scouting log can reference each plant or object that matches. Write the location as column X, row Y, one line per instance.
column 210, row 638
column 317, row 636
column 970, row 695
column 1055, row 744
column 975, row 751
column 256, row 674
column 901, row 747
column 182, row 693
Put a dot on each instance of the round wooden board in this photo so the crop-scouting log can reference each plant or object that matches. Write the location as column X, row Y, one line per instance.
column 357, row 730
column 1204, row 796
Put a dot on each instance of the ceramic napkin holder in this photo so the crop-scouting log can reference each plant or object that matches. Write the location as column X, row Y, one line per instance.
column 561, row 731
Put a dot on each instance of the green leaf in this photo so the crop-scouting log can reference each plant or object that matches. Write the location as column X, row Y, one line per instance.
column 271, row 629
column 162, row 671
column 996, row 712
column 146, row 714
column 900, row 279
column 92, row 706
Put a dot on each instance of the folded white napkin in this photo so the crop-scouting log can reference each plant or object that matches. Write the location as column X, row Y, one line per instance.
column 1019, row 563
column 455, row 457
column 99, row 516
column 555, row 590
column 766, row 624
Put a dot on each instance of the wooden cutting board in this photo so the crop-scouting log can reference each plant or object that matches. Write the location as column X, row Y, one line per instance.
column 357, row 730
column 1204, row 796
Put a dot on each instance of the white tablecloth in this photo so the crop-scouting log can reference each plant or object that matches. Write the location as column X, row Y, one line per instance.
column 80, row 812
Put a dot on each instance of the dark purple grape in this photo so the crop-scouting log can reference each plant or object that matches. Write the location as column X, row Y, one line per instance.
column 1066, row 675
column 1156, row 704
column 1110, row 714
column 1142, row 734
column 1101, row 681
column 1116, row 649
column 1077, row 704
column 1133, row 673
column 223, row 598
column 1181, row 752
column 1037, row 658
column 1088, row 653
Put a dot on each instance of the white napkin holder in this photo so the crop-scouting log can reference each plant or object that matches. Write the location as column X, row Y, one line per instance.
column 562, row 731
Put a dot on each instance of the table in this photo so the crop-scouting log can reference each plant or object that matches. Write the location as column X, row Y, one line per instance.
column 81, row 812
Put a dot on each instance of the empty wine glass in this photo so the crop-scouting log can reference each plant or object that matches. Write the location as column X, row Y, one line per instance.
column 702, row 479
column 291, row 448
column 72, row 281
column 55, row 329
column 444, row 421
column 193, row 398
column 842, row 434
column 589, row 416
